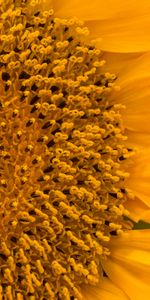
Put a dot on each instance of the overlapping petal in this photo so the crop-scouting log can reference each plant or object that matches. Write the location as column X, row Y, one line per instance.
column 139, row 180
column 134, row 81
column 129, row 263
column 105, row 290
column 138, row 210
column 120, row 26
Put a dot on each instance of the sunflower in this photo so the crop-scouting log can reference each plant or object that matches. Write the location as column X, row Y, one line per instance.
column 69, row 162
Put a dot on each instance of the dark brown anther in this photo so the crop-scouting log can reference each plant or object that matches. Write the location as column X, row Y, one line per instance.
column 70, row 39
column 24, row 75
column 41, row 116
column 37, row 13
column 54, row 88
column 7, row 87
column 46, row 125
column 13, row 239
column 50, row 144
column 32, row 212
column 48, row 169
column 114, row 195
column 55, row 131
column 34, row 100
column 34, row 87
column 34, row 161
column 121, row 158
column 23, row 88
column 62, row 104
column 5, row 76
column 29, row 123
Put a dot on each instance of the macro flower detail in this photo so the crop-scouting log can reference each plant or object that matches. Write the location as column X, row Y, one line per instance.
column 62, row 155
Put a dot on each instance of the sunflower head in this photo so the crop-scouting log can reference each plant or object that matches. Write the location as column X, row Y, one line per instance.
column 62, row 155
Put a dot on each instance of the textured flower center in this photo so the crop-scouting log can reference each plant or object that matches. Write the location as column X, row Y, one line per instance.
column 61, row 151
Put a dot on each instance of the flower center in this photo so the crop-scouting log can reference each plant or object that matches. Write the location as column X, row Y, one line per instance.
column 61, row 183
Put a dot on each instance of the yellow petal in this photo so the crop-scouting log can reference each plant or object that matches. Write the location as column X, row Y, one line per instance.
column 122, row 26
column 105, row 290
column 117, row 62
column 138, row 210
column 97, row 9
column 135, row 93
column 139, row 180
column 122, row 34
column 129, row 263
column 137, row 139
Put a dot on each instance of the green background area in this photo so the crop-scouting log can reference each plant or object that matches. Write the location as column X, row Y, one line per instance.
column 141, row 225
